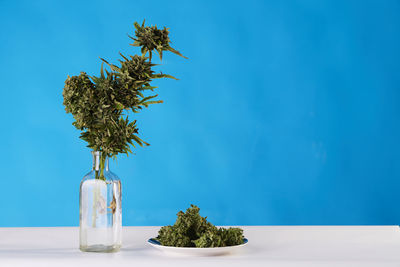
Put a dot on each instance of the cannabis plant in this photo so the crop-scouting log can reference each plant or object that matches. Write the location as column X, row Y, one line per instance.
column 193, row 230
column 101, row 104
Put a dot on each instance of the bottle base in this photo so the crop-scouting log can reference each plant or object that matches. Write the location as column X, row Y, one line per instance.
column 100, row 248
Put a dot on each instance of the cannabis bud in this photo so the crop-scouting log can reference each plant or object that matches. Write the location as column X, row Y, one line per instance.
column 193, row 230
column 152, row 38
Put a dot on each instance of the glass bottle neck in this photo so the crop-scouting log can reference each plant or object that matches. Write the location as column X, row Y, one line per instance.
column 99, row 159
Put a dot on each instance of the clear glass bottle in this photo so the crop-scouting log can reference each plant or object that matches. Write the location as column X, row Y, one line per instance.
column 100, row 221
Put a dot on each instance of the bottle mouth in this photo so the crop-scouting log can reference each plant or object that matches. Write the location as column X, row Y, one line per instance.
column 96, row 153
column 100, row 161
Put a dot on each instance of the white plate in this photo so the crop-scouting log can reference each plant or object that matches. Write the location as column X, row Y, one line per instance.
column 184, row 251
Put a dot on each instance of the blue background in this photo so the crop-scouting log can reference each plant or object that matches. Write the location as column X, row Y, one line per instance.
column 287, row 112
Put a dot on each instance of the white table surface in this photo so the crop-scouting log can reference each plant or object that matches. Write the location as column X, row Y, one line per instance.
column 268, row 246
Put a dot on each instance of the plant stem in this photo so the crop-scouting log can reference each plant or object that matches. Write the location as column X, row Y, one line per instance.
column 103, row 157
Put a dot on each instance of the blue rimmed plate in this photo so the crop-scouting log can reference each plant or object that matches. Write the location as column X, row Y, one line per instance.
column 202, row 252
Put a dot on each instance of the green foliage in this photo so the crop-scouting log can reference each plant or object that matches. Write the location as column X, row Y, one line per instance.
column 100, row 104
column 150, row 38
column 193, row 230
